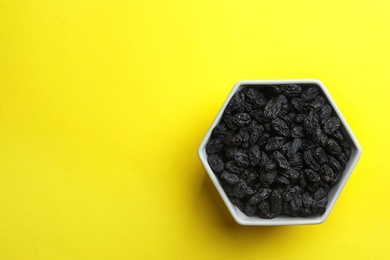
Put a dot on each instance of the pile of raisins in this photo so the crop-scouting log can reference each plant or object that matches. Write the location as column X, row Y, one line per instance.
column 278, row 150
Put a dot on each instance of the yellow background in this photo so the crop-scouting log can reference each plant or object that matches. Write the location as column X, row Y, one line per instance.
column 103, row 105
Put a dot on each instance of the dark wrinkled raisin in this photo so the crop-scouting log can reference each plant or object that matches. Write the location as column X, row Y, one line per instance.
column 272, row 109
column 262, row 194
column 228, row 120
column 233, row 140
column 291, row 173
column 338, row 135
column 258, row 115
column 296, row 160
column 214, row 146
column 299, row 118
column 242, row 159
column 220, row 130
column 280, row 160
column 280, row 127
column 216, row 163
column 334, row 164
column 241, row 119
column 237, row 202
column 300, row 105
column 343, row 159
column 312, row 175
column 274, row 143
column 254, row 155
column 234, row 103
column 333, row 146
column 240, row 189
column 250, row 210
column 230, row 151
column 275, row 201
column 232, row 167
column 331, row 125
column 268, row 177
column 319, row 207
column 311, row 123
column 282, row 180
column 346, row 148
column 325, row 113
column 320, row 155
column 310, row 93
column 297, row 132
column 319, row 137
column 326, row 173
column 295, row 146
column 310, row 161
column 318, row 103
column 290, row 90
column 230, row 178
column 263, row 139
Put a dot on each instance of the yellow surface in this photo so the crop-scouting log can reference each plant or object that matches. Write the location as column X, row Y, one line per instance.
column 103, row 105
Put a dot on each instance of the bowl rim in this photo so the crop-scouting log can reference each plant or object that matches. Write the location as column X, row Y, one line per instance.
column 239, row 216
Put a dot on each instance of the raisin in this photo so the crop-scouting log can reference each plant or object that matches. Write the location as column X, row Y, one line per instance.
column 216, row 163
column 346, row 148
column 318, row 103
column 312, row 175
column 280, row 160
column 214, row 146
column 331, row 125
column 338, row 135
column 250, row 210
column 220, row 130
column 311, row 123
column 325, row 113
column 319, row 137
column 295, row 146
column 241, row 159
column 232, row 167
column 275, row 202
column 297, row 132
column 289, row 90
column 300, row 105
column 310, row 161
column 310, row 93
column 333, row 147
column 233, row 140
column 343, row 159
column 334, row 164
column 263, row 139
column 241, row 119
column 320, row 155
column 254, row 155
column 268, row 177
column 274, row 143
column 280, row 127
column 262, row 194
column 319, row 207
column 230, row 178
column 272, row 109
column 234, row 103
column 240, row 189
column 327, row 173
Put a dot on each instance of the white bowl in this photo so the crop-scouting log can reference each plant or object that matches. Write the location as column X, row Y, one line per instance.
column 334, row 192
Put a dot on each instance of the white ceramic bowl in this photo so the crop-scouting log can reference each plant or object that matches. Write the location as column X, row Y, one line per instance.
column 334, row 192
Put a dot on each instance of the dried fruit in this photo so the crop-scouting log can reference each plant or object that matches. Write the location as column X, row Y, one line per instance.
column 278, row 150
column 331, row 125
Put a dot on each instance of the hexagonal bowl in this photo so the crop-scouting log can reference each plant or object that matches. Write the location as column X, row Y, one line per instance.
column 334, row 192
